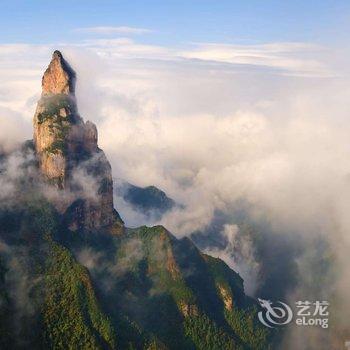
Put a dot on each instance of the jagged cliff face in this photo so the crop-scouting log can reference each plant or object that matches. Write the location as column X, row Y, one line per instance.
column 67, row 149
column 59, row 77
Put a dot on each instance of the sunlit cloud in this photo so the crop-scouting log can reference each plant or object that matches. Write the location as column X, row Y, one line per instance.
column 109, row 30
column 290, row 58
column 211, row 125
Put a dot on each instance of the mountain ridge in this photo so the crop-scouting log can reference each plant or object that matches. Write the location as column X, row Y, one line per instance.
column 74, row 276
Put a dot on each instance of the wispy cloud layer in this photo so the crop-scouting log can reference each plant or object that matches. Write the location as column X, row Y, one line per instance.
column 142, row 64
column 289, row 58
column 109, row 30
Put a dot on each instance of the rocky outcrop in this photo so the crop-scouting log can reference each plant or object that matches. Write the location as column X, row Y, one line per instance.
column 68, row 153
column 59, row 77
column 188, row 310
column 226, row 296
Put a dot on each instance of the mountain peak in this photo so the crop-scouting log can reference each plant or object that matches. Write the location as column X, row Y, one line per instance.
column 66, row 147
column 57, row 53
column 59, row 77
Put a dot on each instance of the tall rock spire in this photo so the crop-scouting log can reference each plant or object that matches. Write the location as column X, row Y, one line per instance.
column 67, row 150
column 59, row 77
column 57, row 126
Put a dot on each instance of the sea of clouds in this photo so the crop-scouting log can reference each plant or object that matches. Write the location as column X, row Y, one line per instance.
column 214, row 125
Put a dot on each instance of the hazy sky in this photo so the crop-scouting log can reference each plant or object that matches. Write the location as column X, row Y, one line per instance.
column 177, row 22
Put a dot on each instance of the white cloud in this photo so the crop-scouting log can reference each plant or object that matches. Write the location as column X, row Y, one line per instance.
column 239, row 255
column 128, row 48
column 109, row 30
column 288, row 57
column 210, row 125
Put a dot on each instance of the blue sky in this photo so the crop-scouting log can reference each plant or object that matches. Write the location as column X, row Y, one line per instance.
column 178, row 22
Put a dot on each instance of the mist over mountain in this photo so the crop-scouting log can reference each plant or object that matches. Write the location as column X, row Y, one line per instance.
column 261, row 184
column 148, row 200
column 73, row 275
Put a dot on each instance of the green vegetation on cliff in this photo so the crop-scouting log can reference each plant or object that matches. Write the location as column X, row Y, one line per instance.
column 143, row 289
column 57, row 112
column 52, row 106
column 72, row 316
